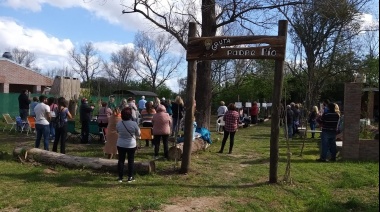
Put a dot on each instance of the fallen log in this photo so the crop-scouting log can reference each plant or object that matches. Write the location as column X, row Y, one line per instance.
column 77, row 162
column 175, row 152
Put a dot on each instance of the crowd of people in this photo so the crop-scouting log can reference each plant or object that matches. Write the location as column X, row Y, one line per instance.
column 120, row 124
column 328, row 120
column 51, row 116
column 162, row 115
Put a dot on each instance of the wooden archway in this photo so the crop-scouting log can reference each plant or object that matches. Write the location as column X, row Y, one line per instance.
column 224, row 47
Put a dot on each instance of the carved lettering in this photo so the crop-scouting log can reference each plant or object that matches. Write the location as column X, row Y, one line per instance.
column 268, row 52
column 221, row 42
column 241, row 52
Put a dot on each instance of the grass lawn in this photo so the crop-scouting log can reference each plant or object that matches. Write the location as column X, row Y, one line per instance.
column 216, row 182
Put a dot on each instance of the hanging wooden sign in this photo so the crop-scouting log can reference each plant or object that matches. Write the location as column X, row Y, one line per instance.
column 238, row 47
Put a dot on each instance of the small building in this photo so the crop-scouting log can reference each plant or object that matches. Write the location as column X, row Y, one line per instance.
column 135, row 94
column 68, row 87
column 14, row 77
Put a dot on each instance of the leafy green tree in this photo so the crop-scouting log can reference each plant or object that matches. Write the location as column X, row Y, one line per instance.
column 321, row 32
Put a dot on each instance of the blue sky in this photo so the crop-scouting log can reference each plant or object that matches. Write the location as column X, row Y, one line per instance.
column 50, row 28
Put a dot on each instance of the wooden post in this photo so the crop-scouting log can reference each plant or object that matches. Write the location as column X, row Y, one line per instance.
column 189, row 104
column 277, row 94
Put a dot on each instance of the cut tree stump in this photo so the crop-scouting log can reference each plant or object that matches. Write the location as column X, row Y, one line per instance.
column 76, row 162
column 175, row 152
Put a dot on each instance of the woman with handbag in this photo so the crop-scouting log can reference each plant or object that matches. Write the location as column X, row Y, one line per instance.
column 128, row 131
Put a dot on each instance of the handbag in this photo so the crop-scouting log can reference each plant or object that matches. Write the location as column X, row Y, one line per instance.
column 127, row 129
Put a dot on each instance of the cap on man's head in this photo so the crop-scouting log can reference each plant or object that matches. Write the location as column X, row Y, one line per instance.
column 142, row 97
column 84, row 100
column 163, row 98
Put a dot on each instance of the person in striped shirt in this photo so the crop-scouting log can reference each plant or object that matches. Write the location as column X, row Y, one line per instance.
column 329, row 121
column 231, row 119
column 147, row 116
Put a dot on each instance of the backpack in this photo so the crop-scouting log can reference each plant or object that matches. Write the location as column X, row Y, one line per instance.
column 59, row 121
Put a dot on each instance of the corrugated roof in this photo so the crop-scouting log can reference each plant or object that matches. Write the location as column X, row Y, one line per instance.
column 135, row 93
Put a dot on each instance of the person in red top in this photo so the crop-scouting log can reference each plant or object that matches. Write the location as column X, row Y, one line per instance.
column 231, row 119
column 254, row 112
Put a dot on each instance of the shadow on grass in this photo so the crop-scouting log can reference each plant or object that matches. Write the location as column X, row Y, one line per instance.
column 294, row 159
column 353, row 204
column 92, row 181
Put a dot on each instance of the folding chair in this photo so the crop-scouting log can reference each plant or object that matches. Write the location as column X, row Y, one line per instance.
column 146, row 134
column 32, row 124
column 72, row 133
column 20, row 124
column 9, row 121
column 94, row 130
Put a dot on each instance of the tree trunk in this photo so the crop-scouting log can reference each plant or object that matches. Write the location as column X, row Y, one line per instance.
column 73, row 105
column 76, row 162
column 175, row 152
column 203, row 93
column 190, row 109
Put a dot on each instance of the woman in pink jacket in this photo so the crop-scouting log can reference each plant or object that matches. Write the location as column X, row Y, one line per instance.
column 161, row 128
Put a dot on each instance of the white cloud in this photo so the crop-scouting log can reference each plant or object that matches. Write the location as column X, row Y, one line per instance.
column 14, row 35
column 51, row 51
column 173, row 84
column 110, row 10
column 109, row 47
column 368, row 22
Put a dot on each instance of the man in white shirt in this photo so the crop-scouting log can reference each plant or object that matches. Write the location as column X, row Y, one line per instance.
column 142, row 103
column 42, row 111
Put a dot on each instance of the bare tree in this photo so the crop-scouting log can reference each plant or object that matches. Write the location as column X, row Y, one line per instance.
column 157, row 64
column 321, row 31
column 85, row 62
column 23, row 57
column 63, row 71
column 174, row 18
column 122, row 65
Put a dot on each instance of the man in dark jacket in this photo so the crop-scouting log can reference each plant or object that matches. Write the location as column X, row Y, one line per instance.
column 329, row 121
column 85, row 117
column 23, row 104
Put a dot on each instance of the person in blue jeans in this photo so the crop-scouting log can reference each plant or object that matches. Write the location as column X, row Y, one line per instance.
column 42, row 111
column 52, row 102
column 329, row 121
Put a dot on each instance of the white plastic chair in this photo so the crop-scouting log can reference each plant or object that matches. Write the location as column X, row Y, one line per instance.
column 219, row 123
